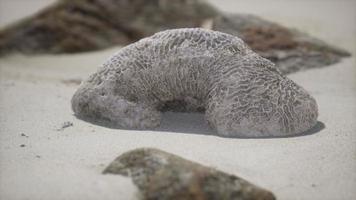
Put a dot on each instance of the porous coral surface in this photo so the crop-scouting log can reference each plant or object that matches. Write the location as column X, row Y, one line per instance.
column 242, row 94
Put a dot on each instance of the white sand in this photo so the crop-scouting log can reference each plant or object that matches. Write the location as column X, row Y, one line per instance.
column 67, row 164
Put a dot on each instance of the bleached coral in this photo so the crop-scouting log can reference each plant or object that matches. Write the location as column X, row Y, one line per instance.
column 242, row 94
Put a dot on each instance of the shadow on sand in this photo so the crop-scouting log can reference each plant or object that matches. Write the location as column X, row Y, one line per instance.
column 195, row 123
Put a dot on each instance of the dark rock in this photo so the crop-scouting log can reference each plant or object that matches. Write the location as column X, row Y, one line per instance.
column 24, row 135
column 84, row 25
column 164, row 176
column 290, row 49
column 65, row 125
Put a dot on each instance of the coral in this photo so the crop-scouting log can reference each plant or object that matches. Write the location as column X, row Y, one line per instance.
column 192, row 70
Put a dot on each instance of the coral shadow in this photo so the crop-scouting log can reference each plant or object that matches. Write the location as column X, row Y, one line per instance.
column 195, row 123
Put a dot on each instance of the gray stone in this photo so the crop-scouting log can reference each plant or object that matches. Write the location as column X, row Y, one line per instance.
column 164, row 176
column 196, row 70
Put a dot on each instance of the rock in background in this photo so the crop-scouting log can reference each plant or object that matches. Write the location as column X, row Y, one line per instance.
column 83, row 25
column 290, row 49
column 164, row 176
column 71, row 26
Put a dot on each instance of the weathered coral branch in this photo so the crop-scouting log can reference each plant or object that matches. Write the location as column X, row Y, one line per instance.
column 242, row 94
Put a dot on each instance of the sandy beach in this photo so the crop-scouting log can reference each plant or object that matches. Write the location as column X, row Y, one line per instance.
column 41, row 160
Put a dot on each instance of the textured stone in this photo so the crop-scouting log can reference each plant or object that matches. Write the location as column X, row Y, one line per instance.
column 290, row 49
column 164, row 176
column 196, row 70
column 84, row 25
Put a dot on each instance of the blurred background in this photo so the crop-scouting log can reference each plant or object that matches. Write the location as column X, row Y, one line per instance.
column 320, row 18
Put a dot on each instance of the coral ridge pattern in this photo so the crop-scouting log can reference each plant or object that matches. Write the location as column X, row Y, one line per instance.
column 196, row 70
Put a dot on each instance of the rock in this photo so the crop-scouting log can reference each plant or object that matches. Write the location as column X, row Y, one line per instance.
column 164, row 176
column 196, row 70
column 24, row 135
column 65, row 125
column 83, row 25
column 290, row 49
